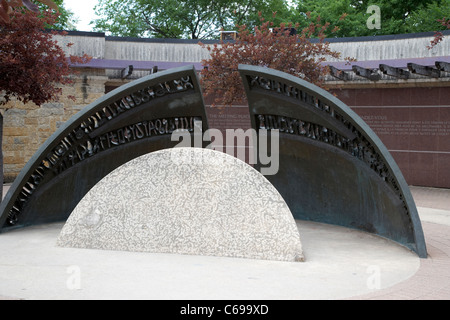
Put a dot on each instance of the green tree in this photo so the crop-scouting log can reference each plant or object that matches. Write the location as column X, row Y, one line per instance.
column 334, row 12
column 195, row 19
column 428, row 19
column 397, row 16
column 65, row 18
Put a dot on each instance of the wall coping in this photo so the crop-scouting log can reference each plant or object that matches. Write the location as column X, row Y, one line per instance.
column 212, row 41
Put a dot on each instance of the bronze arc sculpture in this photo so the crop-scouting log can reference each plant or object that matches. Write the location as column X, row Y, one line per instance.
column 332, row 167
column 133, row 120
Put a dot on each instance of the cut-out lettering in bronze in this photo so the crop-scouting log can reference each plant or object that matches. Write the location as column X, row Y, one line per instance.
column 130, row 121
column 333, row 168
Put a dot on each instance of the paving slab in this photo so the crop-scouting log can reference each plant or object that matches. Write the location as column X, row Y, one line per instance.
column 433, row 198
column 340, row 263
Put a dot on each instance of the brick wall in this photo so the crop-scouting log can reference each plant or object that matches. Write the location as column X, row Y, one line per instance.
column 414, row 125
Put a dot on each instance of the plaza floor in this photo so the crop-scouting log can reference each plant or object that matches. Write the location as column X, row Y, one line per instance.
column 340, row 264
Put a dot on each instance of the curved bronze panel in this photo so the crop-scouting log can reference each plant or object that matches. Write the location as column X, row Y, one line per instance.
column 332, row 166
column 128, row 122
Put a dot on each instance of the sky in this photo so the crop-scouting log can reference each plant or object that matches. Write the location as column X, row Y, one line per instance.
column 84, row 12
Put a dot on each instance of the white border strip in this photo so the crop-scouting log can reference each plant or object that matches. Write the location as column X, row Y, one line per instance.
column 390, row 107
column 421, row 151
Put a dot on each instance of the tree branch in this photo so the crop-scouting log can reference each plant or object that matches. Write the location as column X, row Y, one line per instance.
column 155, row 28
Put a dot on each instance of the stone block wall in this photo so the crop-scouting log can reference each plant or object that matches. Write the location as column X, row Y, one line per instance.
column 26, row 126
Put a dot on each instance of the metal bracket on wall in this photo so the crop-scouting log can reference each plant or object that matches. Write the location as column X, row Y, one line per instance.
column 371, row 74
column 394, row 72
column 424, row 70
column 127, row 72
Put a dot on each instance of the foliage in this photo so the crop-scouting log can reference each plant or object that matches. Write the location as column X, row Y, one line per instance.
column 63, row 19
column 195, row 19
column 20, row 72
column 428, row 19
column 397, row 16
column 267, row 46
column 200, row 19
column 439, row 36
column 32, row 64
column 257, row 9
column 6, row 7
column 332, row 11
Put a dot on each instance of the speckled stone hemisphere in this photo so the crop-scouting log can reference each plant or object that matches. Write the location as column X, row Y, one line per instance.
column 185, row 201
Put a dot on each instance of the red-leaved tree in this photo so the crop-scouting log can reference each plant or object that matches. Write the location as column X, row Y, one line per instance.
column 6, row 7
column 268, row 46
column 32, row 64
column 439, row 36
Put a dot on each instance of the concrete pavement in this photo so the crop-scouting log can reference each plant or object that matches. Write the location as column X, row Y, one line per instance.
column 432, row 279
column 340, row 264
